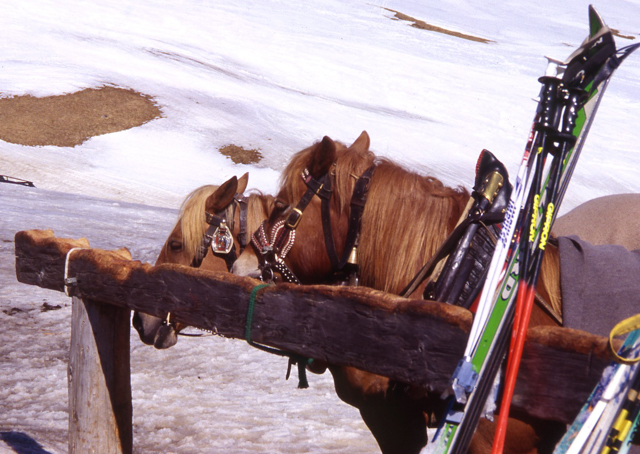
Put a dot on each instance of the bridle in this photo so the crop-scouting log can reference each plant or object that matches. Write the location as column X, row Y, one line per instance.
column 272, row 248
column 218, row 236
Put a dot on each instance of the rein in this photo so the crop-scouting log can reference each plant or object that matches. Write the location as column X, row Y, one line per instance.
column 274, row 247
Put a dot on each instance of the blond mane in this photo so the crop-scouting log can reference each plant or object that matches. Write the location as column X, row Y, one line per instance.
column 192, row 220
column 259, row 206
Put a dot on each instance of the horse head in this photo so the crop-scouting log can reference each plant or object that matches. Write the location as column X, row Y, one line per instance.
column 317, row 175
column 209, row 219
column 340, row 205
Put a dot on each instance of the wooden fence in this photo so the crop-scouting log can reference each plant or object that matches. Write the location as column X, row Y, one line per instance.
column 412, row 341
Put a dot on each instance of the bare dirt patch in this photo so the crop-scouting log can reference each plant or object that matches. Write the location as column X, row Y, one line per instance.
column 241, row 155
column 422, row 25
column 68, row 120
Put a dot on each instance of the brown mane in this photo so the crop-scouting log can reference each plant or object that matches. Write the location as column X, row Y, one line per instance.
column 415, row 216
column 412, row 214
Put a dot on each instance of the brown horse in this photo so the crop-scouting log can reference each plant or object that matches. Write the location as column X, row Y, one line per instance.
column 405, row 219
column 610, row 219
column 184, row 245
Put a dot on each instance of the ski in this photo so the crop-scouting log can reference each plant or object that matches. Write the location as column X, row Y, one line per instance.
column 588, row 69
column 621, row 444
column 602, row 423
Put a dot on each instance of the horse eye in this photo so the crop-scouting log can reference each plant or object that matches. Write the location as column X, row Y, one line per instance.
column 280, row 205
column 175, row 245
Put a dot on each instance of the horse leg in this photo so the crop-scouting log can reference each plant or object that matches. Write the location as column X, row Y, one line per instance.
column 395, row 418
column 525, row 435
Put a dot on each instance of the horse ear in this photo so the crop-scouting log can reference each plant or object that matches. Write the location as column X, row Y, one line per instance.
column 222, row 197
column 362, row 143
column 322, row 157
column 242, row 183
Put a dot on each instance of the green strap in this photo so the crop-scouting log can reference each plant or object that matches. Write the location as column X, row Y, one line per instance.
column 293, row 359
column 252, row 303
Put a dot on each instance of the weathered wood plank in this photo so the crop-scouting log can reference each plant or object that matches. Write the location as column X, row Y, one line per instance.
column 411, row 341
column 99, row 379
column 40, row 257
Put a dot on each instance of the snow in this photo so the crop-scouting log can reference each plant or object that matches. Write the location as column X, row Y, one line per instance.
column 274, row 76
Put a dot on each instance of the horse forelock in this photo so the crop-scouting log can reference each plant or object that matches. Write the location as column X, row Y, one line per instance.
column 406, row 218
column 350, row 163
column 192, row 218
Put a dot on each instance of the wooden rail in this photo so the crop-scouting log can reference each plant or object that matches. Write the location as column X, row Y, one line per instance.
column 412, row 341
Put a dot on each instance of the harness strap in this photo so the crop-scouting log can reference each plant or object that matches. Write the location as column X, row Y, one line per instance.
column 358, row 200
column 274, row 245
column 313, row 187
column 442, row 252
column 243, row 239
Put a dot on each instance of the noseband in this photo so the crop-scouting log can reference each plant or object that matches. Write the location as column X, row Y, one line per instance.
column 274, row 247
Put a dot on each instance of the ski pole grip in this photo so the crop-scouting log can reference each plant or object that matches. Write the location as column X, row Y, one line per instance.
column 549, row 114
column 491, row 186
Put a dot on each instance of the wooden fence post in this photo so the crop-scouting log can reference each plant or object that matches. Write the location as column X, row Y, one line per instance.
column 100, row 410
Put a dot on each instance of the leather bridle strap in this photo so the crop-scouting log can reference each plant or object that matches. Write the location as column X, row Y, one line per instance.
column 313, row 187
column 215, row 221
column 230, row 257
column 243, row 239
column 291, row 223
column 358, row 200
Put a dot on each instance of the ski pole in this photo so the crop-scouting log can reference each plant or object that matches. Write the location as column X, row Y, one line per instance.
column 526, row 294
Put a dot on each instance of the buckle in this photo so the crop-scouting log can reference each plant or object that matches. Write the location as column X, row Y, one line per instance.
column 294, row 219
column 213, row 219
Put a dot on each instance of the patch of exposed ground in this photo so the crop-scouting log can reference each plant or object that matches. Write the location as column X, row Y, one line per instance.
column 241, row 155
column 69, row 120
column 424, row 26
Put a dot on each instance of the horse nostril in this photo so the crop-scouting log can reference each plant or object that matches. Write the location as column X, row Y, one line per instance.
column 136, row 322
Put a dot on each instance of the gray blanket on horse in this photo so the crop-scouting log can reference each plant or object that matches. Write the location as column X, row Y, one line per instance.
column 600, row 287
column 600, row 284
